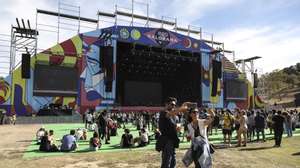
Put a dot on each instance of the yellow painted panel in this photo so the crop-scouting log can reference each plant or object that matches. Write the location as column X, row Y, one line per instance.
column 57, row 49
column 69, row 61
column 78, row 44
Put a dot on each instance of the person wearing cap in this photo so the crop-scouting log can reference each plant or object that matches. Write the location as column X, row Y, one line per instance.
column 167, row 126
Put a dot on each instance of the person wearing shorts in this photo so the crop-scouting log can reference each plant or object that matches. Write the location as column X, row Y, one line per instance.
column 228, row 121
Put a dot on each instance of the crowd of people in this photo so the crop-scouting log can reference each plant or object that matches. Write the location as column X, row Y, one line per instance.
column 164, row 128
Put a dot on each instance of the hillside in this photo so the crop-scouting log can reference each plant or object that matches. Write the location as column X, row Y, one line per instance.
column 281, row 85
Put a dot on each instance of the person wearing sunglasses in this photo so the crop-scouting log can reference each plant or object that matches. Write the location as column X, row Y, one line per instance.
column 167, row 126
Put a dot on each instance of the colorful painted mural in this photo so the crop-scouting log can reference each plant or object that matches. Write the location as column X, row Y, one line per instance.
column 83, row 52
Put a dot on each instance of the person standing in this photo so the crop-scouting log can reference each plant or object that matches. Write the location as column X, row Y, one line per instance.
column 169, row 137
column 288, row 124
column 228, row 124
column 197, row 133
column 278, row 121
column 242, row 118
column 251, row 125
column 260, row 125
column 102, row 124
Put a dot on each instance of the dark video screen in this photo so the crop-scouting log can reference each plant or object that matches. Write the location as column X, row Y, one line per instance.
column 235, row 89
column 55, row 81
column 142, row 93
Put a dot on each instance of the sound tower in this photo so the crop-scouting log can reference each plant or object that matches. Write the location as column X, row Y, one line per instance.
column 25, row 67
column 255, row 80
column 106, row 64
column 216, row 74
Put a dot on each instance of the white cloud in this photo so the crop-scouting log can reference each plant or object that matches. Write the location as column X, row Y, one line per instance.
column 188, row 11
column 277, row 46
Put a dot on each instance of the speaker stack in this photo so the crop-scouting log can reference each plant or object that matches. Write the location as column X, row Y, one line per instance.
column 25, row 67
column 216, row 74
column 106, row 64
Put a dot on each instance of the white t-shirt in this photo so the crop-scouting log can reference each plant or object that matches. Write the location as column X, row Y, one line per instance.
column 202, row 129
column 144, row 137
column 89, row 117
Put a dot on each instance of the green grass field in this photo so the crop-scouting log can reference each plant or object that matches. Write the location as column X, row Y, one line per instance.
column 62, row 129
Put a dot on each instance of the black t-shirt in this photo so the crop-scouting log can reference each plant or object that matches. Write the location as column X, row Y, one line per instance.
column 168, row 128
column 196, row 131
column 45, row 144
column 127, row 139
column 278, row 121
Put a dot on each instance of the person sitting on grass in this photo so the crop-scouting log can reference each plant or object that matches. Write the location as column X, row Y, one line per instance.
column 69, row 142
column 39, row 134
column 81, row 134
column 143, row 139
column 95, row 142
column 127, row 139
column 47, row 144
column 51, row 136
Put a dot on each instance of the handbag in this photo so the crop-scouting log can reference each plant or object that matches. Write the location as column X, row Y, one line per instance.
column 187, row 158
column 211, row 146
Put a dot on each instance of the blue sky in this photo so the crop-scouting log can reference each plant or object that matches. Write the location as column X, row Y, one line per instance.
column 268, row 28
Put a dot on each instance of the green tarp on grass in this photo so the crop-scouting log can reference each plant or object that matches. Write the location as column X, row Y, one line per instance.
column 62, row 129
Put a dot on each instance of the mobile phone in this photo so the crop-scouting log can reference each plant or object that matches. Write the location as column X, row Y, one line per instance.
column 193, row 105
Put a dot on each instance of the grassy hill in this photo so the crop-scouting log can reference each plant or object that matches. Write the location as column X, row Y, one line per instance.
column 281, row 85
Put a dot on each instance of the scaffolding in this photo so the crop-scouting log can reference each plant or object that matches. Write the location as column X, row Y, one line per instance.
column 4, row 54
column 163, row 22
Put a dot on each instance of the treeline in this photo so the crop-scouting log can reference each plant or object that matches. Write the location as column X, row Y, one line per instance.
column 279, row 81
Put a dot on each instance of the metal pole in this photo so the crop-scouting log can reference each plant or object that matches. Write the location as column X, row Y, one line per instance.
column 58, row 20
column 116, row 16
column 252, row 78
column 212, row 40
column 36, row 30
column 147, row 15
column 98, row 20
column 200, row 33
column 244, row 67
column 132, row 5
column 189, row 26
column 11, row 65
column 176, row 25
column 78, row 19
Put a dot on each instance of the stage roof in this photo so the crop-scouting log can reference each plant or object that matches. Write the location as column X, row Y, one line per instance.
column 155, row 37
